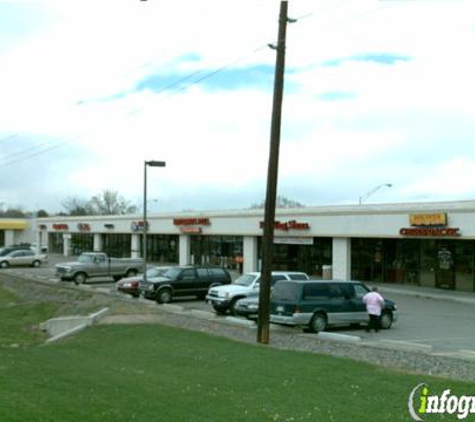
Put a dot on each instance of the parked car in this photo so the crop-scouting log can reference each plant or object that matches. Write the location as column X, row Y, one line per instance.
column 224, row 298
column 7, row 249
column 184, row 281
column 248, row 307
column 131, row 285
column 25, row 257
column 98, row 264
column 318, row 304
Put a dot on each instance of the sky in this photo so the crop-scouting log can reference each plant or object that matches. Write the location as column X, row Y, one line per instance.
column 378, row 102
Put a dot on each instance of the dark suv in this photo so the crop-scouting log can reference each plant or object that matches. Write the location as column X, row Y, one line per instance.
column 184, row 281
column 317, row 304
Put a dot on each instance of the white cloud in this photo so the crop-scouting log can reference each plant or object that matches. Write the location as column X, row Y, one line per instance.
column 407, row 123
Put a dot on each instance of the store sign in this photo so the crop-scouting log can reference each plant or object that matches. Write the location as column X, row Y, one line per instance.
column 438, row 219
column 430, row 231
column 60, row 227
column 137, row 226
column 191, row 230
column 83, row 227
column 288, row 225
column 433, row 225
column 293, row 240
column 191, row 221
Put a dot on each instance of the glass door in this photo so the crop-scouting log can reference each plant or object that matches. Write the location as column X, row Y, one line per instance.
column 445, row 269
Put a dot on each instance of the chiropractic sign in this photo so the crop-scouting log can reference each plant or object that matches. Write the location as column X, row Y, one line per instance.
column 429, row 225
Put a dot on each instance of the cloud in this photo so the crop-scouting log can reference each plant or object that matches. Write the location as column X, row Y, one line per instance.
column 369, row 98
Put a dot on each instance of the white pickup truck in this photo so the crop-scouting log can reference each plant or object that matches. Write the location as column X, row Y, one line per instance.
column 224, row 298
column 98, row 264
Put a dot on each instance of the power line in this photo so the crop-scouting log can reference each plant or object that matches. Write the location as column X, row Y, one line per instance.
column 174, row 87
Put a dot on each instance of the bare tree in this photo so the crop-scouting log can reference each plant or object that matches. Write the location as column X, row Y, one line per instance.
column 281, row 202
column 77, row 206
column 110, row 203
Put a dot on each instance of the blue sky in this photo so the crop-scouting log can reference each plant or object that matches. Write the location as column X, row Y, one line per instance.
column 375, row 92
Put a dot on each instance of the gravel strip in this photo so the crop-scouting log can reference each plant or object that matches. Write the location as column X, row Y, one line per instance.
column 411, row 361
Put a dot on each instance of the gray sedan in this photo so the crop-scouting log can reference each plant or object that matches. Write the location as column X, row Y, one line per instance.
column 23, row 257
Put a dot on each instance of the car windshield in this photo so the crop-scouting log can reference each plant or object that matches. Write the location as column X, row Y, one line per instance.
column 172, row 273
column 245, row 280
column 284, row 291
column 156, row 272
column 86, row 258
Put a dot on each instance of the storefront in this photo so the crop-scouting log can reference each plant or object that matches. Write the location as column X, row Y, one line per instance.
column 13, row 231
column 427, row 244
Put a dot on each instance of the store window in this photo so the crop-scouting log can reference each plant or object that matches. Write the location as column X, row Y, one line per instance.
column 223, row 251
column 297, row 257
column 2, row 238
column 82, row 242
column 56, row 243
column 367, row 258
column 161, row 249
column 117, row 245
column 402, row 261
column 442, row 263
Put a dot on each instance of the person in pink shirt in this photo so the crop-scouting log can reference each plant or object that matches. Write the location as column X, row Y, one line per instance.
column 374, row 304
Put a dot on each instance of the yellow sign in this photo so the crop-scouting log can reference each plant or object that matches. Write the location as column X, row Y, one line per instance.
column 9, row 224
column 439, row 219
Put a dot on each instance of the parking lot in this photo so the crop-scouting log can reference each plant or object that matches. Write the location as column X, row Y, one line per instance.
column 430, row 323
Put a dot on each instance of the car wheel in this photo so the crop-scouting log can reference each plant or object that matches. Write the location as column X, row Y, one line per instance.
column 131, row 273
column 318, row 323
column 232, row 305
column 80, row 278
column 220, row 310
column 36, row 263
column 164, row 296
column 4, row 264
column 386, row 320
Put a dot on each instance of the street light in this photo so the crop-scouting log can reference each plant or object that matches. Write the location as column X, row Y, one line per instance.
column 145, row 225
column 367, row 195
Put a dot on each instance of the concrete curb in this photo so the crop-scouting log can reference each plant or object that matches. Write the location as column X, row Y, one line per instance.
column 66, row 333
column 338, row 337
column 240, row 321
column 61, row 327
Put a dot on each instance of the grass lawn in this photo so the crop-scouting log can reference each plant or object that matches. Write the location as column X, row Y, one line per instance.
column 155, row 373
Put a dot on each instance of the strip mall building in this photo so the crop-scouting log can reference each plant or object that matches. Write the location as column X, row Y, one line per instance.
column 427, row 244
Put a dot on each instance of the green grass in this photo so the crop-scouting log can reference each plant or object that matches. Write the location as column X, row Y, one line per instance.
column 155, row 373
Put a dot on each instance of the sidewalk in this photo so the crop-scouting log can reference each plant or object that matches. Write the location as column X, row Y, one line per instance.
column 427, row 292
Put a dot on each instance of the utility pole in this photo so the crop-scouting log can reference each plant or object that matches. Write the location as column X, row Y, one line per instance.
column 272, row 173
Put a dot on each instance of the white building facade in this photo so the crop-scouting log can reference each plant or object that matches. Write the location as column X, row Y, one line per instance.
column 429, row 244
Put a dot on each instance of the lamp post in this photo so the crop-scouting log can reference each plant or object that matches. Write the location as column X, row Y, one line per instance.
column 145, row 225
column 368, row 194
